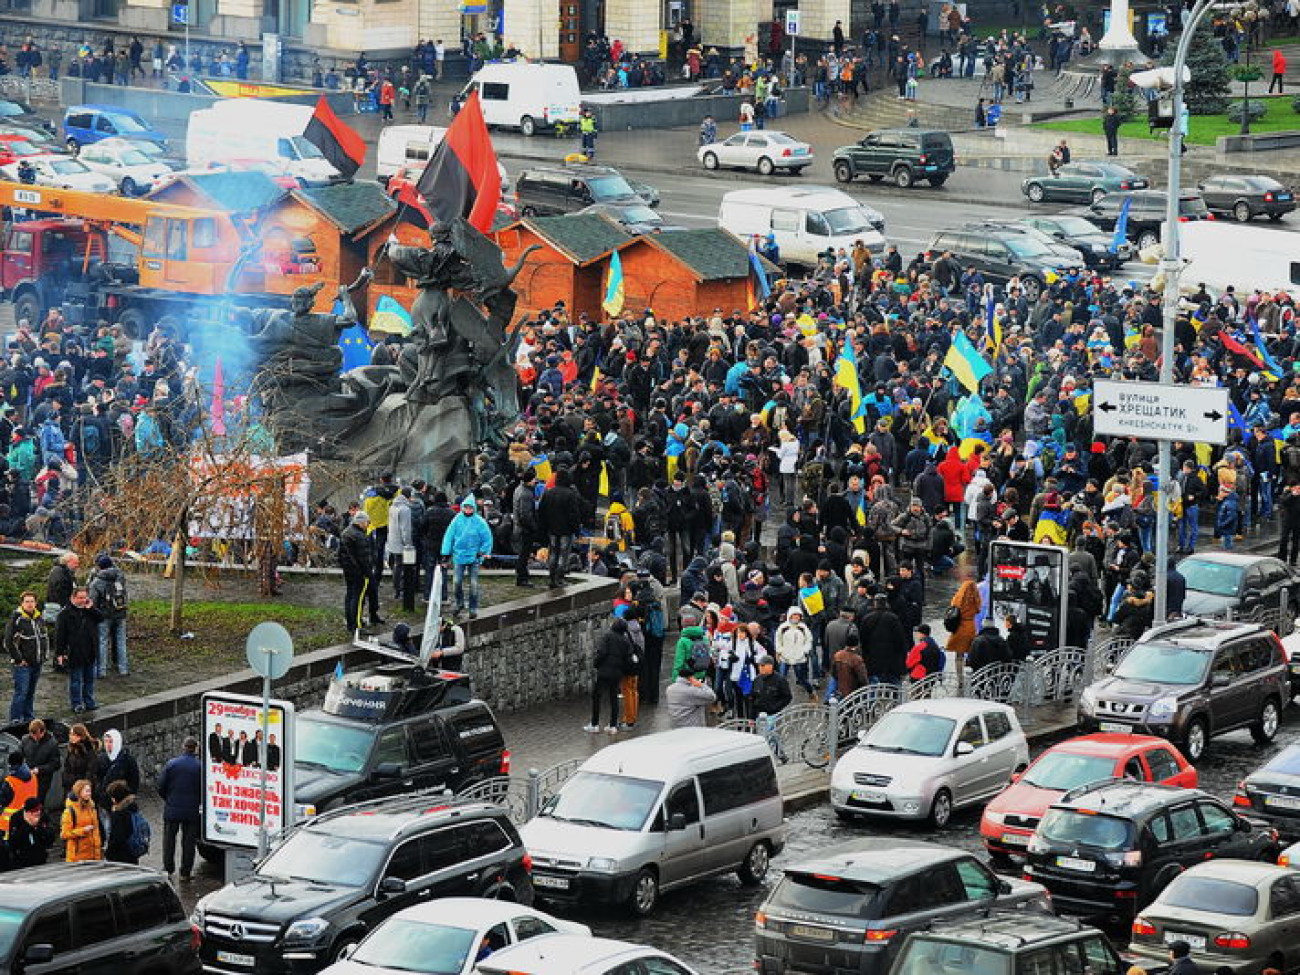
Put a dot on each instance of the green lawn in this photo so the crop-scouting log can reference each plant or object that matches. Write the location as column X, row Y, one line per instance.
column 1205, row 129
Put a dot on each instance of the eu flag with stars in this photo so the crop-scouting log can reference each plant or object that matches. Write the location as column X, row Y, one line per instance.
column 354, row 343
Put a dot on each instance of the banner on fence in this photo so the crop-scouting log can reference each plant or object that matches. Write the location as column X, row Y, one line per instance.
column 1028, row 581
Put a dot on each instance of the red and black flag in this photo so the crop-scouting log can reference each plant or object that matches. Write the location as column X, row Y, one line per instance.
column 342, row 148
column 461, row 178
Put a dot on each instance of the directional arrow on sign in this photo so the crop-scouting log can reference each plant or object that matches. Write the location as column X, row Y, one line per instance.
column 1107, row 407
column 1157, row 411
column 1213, row 415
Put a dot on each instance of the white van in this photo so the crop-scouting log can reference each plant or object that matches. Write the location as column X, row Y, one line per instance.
column 1221, row 254
column 257, row 130
column 524, row 96
column 805, row 221
column 658, row 812
column 409, row 147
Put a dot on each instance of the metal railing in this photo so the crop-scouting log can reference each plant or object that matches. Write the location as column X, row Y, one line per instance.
column 523, row 795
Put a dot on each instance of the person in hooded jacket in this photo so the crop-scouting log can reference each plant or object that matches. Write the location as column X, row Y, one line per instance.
column 559, row 518
column 929, row 488
column 16, row 788
column 28, row 643
column 694, row 579
column 105, row 585
column 794, row 648
column 988, row 648
column 120, row 822
column 180, row 785
column 779, row 596
column 1017, row 638
column 400, row 548
column 467, row 544
column 115, row 763
column 80, row 827
column 886, row 640
column 682, row 652
column 611, row 663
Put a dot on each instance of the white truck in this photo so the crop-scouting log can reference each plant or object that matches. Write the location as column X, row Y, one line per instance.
column 1218, row 254
column 805, row 221
column 257, row 130
column 525, row 96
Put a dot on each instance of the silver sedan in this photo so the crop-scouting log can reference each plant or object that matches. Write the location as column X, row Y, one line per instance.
column 763, row 150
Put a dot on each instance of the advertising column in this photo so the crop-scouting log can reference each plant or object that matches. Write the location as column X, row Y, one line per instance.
column 232, row 771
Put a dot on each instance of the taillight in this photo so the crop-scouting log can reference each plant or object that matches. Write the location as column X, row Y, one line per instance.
column 505, row 762
column 528, row 862
column 1268, row 197
column 1132, row 858
column 1284, row 860
column 1240, row 798
column 882, row 934
column 1209, row 216
column 1125, row 185
column 1143, row 927
column 1281, row 650
column 196, row 937
column 786, row 153
column 923, row 160
column 1234, row 940
column 1184, row 219
column 760, row 921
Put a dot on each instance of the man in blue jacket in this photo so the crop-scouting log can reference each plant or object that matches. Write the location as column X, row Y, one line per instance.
column 180, row 784
column 468, row 542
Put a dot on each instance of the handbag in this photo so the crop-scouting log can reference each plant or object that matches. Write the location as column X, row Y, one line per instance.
column 952, row 619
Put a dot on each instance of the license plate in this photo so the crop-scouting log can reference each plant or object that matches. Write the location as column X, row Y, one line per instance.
column 1116, row 728
column 811, row 933
column 1295, row 668
column 861, row 796
column 554, row 883
column 801, row 152
column 1282, row 802
column 1074, row 863
column 1194, row 941
column 234, row 958
column 1015, row 839
column 1283, row 197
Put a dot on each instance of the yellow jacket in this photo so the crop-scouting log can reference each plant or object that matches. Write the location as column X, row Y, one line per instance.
column 81, row 846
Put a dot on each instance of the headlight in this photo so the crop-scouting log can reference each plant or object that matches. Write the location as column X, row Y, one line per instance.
column 601, row 865
column 197, row 917
column 1165, row 707
column 306, row 929
column 996, row 818
column 1088, row 701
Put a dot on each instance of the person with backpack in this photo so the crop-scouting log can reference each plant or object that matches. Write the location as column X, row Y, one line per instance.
column 650, row 597
column 28, row 642
column 108, row 596
column 180, row 784
column 128, row 830
column 79, row 827
column 926, row 656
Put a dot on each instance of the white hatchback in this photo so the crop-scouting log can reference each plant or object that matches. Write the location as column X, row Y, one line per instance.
column 764, row 150
column 564, row 955
column 64, row 172
column 122, row 161
column 924, row 759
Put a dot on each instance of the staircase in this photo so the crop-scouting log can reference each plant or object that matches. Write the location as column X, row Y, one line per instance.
column 883, row 109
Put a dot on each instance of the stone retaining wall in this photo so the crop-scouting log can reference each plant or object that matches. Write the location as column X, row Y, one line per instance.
column 522, row 654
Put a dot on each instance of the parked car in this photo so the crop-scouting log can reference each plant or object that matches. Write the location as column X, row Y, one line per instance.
column 1246, row 197
column 903, row 155
column 65, row 918
column 1002, row 255
column 1065, row 253
column 1082, row 182
column 1291, row 647
column 1110, row 849
column 84, row 124
column 1242, row 587
column 1083, row 236
column 1233, row 914
column 635, row 218
column 1010, row 819
column 925, row 759
column 45, row 141
column 62, row 171
column 849, row 907
column 134, row 172
column 15, row 147
column 567, row 954
column 20, row 113
column 764, row 151
column 1272, row 792
column 567, row 188
column 1146, row 213
column 444, row 937
column 1009, row 943
column 1191, row 680
column 338, row 875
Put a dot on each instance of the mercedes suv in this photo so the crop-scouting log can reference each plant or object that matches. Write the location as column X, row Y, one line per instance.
column 1191, row 680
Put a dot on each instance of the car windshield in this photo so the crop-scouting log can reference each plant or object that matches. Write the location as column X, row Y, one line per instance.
column 910, row 733
column 611, row 801
column 20, row 148
column 68, row 167
column 1064, row 771
column 822, row 894
column 848, row 220
column 1211, row 894
column 339, row 748
column 609, row 188
column 923, row 956
column 125, row 123
column 11, row 109
column 305, row 149
column 639, row 214
column 1287, row 761
column 11, row 923
column 1215, row 578
column 1022, row 246
column 150, row 149
column 318, row 857
column 1163, row 663
column 133, row 157
column 410, row 946
column 1074, row 225
column 1084, row 829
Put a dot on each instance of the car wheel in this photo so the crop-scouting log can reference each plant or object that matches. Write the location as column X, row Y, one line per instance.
column 754, row 869
column 710, row 161
column 1148, row 238
column 765, row 166
column 128, row 187
column 937, row 181
column 344, row 946
column 1035, row 192
column 74, row 146
column 1265, row 729
column 1195, row 740
column 843, row 172
column 1031, row 287
column 1096, row 194
column 941, row 809
column 902, row 177
column 27, row 305
column 528, row 125
column 1241, row 212
column 1163, row 879
column 645, row 893
column 133, row 323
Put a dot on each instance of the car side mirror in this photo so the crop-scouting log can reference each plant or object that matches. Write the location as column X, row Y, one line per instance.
column 392, row 886
column 1251, row 596
column 1220, row 679
column 1004, row 887
column 1015, row 777
column 964, row 748
column 38, row 954
column 677, row 822
column 387, row 770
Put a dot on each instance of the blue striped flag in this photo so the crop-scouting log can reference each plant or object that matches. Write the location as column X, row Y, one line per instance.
column 1053, row 526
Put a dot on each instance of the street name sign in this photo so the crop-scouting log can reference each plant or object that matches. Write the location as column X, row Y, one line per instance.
column 1160, row 411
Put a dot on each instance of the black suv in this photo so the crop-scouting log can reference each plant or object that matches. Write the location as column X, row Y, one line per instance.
column 1146, row 214
column 904, row 155
column 66, row 918
column 543, row 191
column 1001, row 253
column 339, row 874
column 1009, row 943
column 1190, row 680
column 848, row 908
column 1110, row 848
column 390, row 729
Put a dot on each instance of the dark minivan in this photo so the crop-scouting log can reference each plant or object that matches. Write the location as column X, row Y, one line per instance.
column 903, row 155
column 1146, row 213
column 95, row 917
column 543, row 191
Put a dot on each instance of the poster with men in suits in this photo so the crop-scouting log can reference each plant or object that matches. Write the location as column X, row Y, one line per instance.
column 1028, row 581
column 233, row 739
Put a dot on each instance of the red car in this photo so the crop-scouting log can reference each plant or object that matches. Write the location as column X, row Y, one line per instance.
column 1010, row 819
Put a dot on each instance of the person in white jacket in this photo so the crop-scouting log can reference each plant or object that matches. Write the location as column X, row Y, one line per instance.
column 787, row 459
column 794, row 645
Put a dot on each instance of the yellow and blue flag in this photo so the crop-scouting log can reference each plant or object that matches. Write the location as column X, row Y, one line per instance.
column 595, row 378
column 1083, row 402
column 1053, row 525
column 1121, row 225
column 756, row 269
column 965, row 363
column 846, row 377
column 613, row 303
column 861, row 513
column 992, row 323
column 541, row 465
column 813, row 600
column 390, row 317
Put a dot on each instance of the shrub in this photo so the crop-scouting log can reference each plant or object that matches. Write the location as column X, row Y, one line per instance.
column 1257, row 111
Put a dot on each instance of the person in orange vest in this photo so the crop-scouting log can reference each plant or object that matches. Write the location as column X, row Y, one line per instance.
column 18, row 786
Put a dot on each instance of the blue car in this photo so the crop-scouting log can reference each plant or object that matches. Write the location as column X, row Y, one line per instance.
column 85, row 124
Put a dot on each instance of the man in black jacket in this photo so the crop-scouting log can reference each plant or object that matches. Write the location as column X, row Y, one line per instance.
column 559, row 517
column 988, row 648
column 76, row 648
column 886, row 641
column 180, row 784
column 357, row 560
column 611, row 663
column 523, row 509
column 41, row 752
column 438, row 517
column 771, row 694
column 1288, row 546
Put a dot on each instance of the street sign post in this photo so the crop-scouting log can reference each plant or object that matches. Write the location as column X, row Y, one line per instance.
column 1160, row 411
column 792, row 23
column 269, row 649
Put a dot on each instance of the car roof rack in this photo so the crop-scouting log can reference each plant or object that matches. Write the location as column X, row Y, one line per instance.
column 1087, row 787
column 417, row 801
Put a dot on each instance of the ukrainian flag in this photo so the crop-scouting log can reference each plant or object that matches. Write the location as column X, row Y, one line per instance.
column 613, row 303
column 933, row 439
column 390, row 317
column 861, row 513
column 1052, row 527
column 813, row 600
column 1083, row 402
column 595, row 379
column 992, row 323
column 541, row 465
column 846, row 377
column 965, row 363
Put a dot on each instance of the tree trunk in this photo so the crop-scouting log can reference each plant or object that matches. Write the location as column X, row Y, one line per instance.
column 176, row 624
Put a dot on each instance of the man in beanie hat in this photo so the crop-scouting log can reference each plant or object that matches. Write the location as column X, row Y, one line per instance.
column 357, row 560
column 108, row 595
column 28, row 643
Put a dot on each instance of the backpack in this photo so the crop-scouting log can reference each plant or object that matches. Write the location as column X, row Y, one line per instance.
column 613, row 529
column 698, row 657
column 655, row 623
column 114, row 597
column 141, row 834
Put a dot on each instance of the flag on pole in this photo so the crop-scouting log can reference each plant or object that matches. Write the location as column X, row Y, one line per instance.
column 992, row 323
column 541, row 465
column 356, row 346
column 462, row 178
column 613, row 303
column 1121, row 226
column 432, row 620
column 342, row 148
column 595, row 378
column 846, row 377
column 965, row 363
column 218, row 400
column 390, row 317
column 1235, row 346
column 756, row 270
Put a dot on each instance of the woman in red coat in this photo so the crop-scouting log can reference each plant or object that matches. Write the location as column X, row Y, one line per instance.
column 956, row 474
